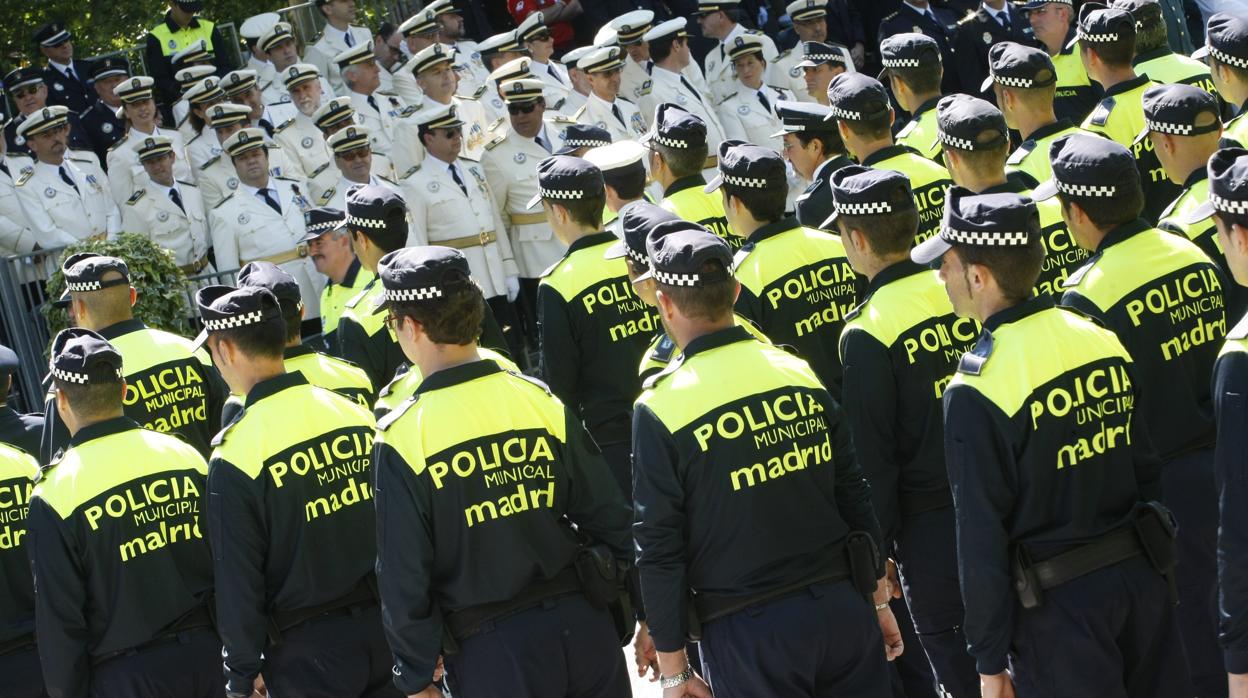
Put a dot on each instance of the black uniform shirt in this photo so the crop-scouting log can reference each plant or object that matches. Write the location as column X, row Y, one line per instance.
column 478, row 474
column 22, row 430
column 74, row 92
column 907, row 19
column 1230, row 385
column 117, row 547
column 744, row 478
column 18, row 470
column 1163, row 297
column 1043, row 448
column 594, row 332
column 797, row 287
column 290, row 511
column 102, row 127
column 976, row 33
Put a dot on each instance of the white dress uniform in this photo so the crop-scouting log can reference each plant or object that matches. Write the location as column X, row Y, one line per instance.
column 16, row 235
column 218, row 179
column 633, row 77
column 783, row 71
column 466, row 62
column 442, row 212
column 275, row 115
column 557, row 88
column 202, row 147
column 379, row 120
column 182, row 117
column 405, row 85
column 126, row 173
column 245, row 229
column 495, row 108
column 307, row 150
column 151, row 211
column 719, row 73
column 510, row 164
column 666, row 86
column 333, row 42
column 746, row 118
column 63, row 212
column 476, row 127
column 626, row 125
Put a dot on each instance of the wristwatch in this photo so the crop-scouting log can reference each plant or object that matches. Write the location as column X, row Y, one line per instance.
column 676, row 680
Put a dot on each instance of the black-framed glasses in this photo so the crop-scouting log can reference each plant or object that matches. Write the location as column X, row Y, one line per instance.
column 526, row 108
column 392, row 322
column 541, row 36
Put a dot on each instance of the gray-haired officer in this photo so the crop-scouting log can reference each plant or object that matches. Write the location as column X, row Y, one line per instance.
column 780, row 560
column 604, row 107
column 337, row 114
column 1097, row 183
column 812, row 145
column 353, row 160
column 329, row 248
column 263, row 220
column 167, row 210
column 121, row 595
column 64, row 193
column 913, row 69
column 420, row 31
column 19, row 654
column 435, row 73
column 820, row 62
column 1061, row 553
column 293, row 546
column 361, row 82
column 891, row 391
column 299, row 136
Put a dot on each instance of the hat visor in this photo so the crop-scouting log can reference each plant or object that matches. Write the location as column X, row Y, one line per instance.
column 807, row 63
column 883, row 75
column 309, row 237
column 829, row 223
column 830, row 116
column 200, row 340
column 63, row 301
column 567, row 150
column 1200, row 213
column 1045, row 190
column 644, row 276
column 930, row 250
column 1071, row 44
column 986, row 85
column 1200, row 53
column 616, row 251
column 537, row 199
column 714, row 184
column 190, row 5
column 378, row 303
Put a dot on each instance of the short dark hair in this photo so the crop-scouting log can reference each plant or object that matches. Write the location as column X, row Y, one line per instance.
column 586, row 210
column 1238, row 72
column 102, row 395
column 985, row 160
column 1150, row 32
column 888, row 234
column 1240, row 219
column 830, row 140
column 921, row 79
column 1107, row 213
column 765, row 205
column 1016, row 269
column 683, row 162
column 660, row 49
column 629, row 182
column 875, row 126
column 1116, row 54
column 264, row 340
column 389, row 237
column 455, row 317
column 293, row 320
column 708, row 302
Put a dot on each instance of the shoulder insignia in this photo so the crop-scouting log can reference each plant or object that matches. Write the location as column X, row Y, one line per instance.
column 577, row 114
column 1100, row 115
column 755, row 32
column 970, row 17
column 857, row 309
column 1021, row 152
column 1165, row 213
column 671, row 368
column 1240, row 330
column 494, row 142
column 664, row 350
column 497, row 122
column 186, row 183
column 480, row 91
column 398, row 376
column 27, row 172
column 739, row 258
column 120, row 141
column 527, row 379
column 645, row 88
column 725, row 99
column 287, row 179
column 1170, row 226
column 413, row 170
column 387, row 180
column 973, row 361
column 238, row 417
column 562, row 119
column 222, row 201
column 905, row 130
column 393, row 416
column 134, row 198
column 550, row 269
column 1077, row 275
column 782, row 56
column 328, row 195
column 355, row 300
column 893, row 15
column 407, row 111
column 211, row 161
column 318, row 170
column 284, row 125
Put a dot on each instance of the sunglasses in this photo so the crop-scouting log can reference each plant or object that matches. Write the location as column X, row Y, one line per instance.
column 526, row 108
column 540, row 36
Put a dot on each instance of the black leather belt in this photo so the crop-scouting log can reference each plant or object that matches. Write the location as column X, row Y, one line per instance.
column 17, row 644
column 199, row 617
column 709, row 607
column 364, row 594
column 467, row 622
column 1109, row 549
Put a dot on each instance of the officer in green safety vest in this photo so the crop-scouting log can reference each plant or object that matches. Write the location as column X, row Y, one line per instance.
column 1061, row 559
column 19, row 656
column 1165, row 300
column 1106, row 47
column 170, row 386
column 476, row 560
column 594, row 329
column 123, row 573
column 864, row 118
column 913, row 68
column 1228, row 206
column 290, row 514
column 329, row 247
column 1226, row 50
column 181, row 27
column 678, row 155
column 1153, row 55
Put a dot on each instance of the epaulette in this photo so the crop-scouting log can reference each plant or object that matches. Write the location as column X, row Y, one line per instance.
column 227, row 198
column 577, row 114
column 480, row 91
column 86, row 156
column 645, row 88
column 1100, row 115
column 497, row 122
column 528, row 379
column 186, row 184
column 970, row 16
column 782, row 56
column 755, row 32
column 725, row 99
column 398, row 411
column 238, row 417
column 287, row 179
column 118, row 143
column 739, row 258
column 973, row 361
column 664, row 350
column 320, row 169
column 25, row 175
column 494, row 142
column 284, row 125
column 857, row 309
column 1165, row 213
column 1077, row 275
column 1240, row 330
column 891, row 16
column 134, row 198
column 1021, row 152
column 622, row 98
column 910, row 126
column 550, row 269
column 671, row 368
column 387, row 180
column 399, row 372
column 408, row 111
column 562, row 119
column 411, row 171
column 210, row 162
column 328, row 195
column 560, row 103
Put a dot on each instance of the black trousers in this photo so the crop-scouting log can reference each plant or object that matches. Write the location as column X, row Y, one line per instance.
column 822, row 641
column 21, row 675
column 189, row 666
column 505, row 315
column 564, row 647
column 340, row 655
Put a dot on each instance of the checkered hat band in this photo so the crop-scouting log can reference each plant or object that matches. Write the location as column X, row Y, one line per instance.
column 1013, row 82
column 825, row 57
column 866, row 209
column 670, row 142
column 72, row 377
column 357, row 222
column 84, row 286
column 318, row 227
column 229, row 323
column 1089, row 190
column 845, row 114
column 561, row 193
column 676, row 279
column 638, row 257
column 1097, row 38
column 413, row 294
column 900, row 62
column 983, row 239
column 953, row 141
column 1228, row 206
column 579, row 143
column 1228, row 58
column 1172, row 129
column 749, row 182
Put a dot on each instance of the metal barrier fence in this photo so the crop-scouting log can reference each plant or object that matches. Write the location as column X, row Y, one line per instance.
column 25, row 329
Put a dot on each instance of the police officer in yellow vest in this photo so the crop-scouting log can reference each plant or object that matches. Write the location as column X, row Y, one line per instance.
column 170, row 387
column 1153, row 55
column 122, row 570
column 1173, row 342
column 1061, row 559
column 864, row 119
column 478, row 564
column 1228, row 205
column 913, row 69
column 290, row 515
column 1052, row 23
column 678, row 155
column 780, row 560
column 181, row 27
column 1226, row 50
column 19, row 656
column 1106, row 47
column 894, row 378
column 329, row 247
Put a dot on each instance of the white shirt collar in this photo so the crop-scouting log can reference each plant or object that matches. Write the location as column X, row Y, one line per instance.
column 64, row 69
column 916, row 8
column 254, row 192
column 737, row 30
column 600, row 100
column 995, row 14
column 661, row 73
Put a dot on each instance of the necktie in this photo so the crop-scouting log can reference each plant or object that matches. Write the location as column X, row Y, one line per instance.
column 540, row 141
column 762, row 98
column 1004, row 18
column 267, row 126
column 931, row 16
column 373, row 103
column 350, row 41
column 68, row 180
column 271, row 200
column 460, row 182
column 689, row 87
column 69, row 73
column 176, row 198
column 554, row 73
column 649, row 66
column 615, row 109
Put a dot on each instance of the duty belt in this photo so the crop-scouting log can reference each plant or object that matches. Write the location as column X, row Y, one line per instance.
column 467, row 622
column 363, row 595
column 17, row 644
column 527, row 218
column 195, row 267
column 1109, row 549
column 912, row 503
column 198, row 617
column 300, row 251
column 709, row 607
column 479, row 240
